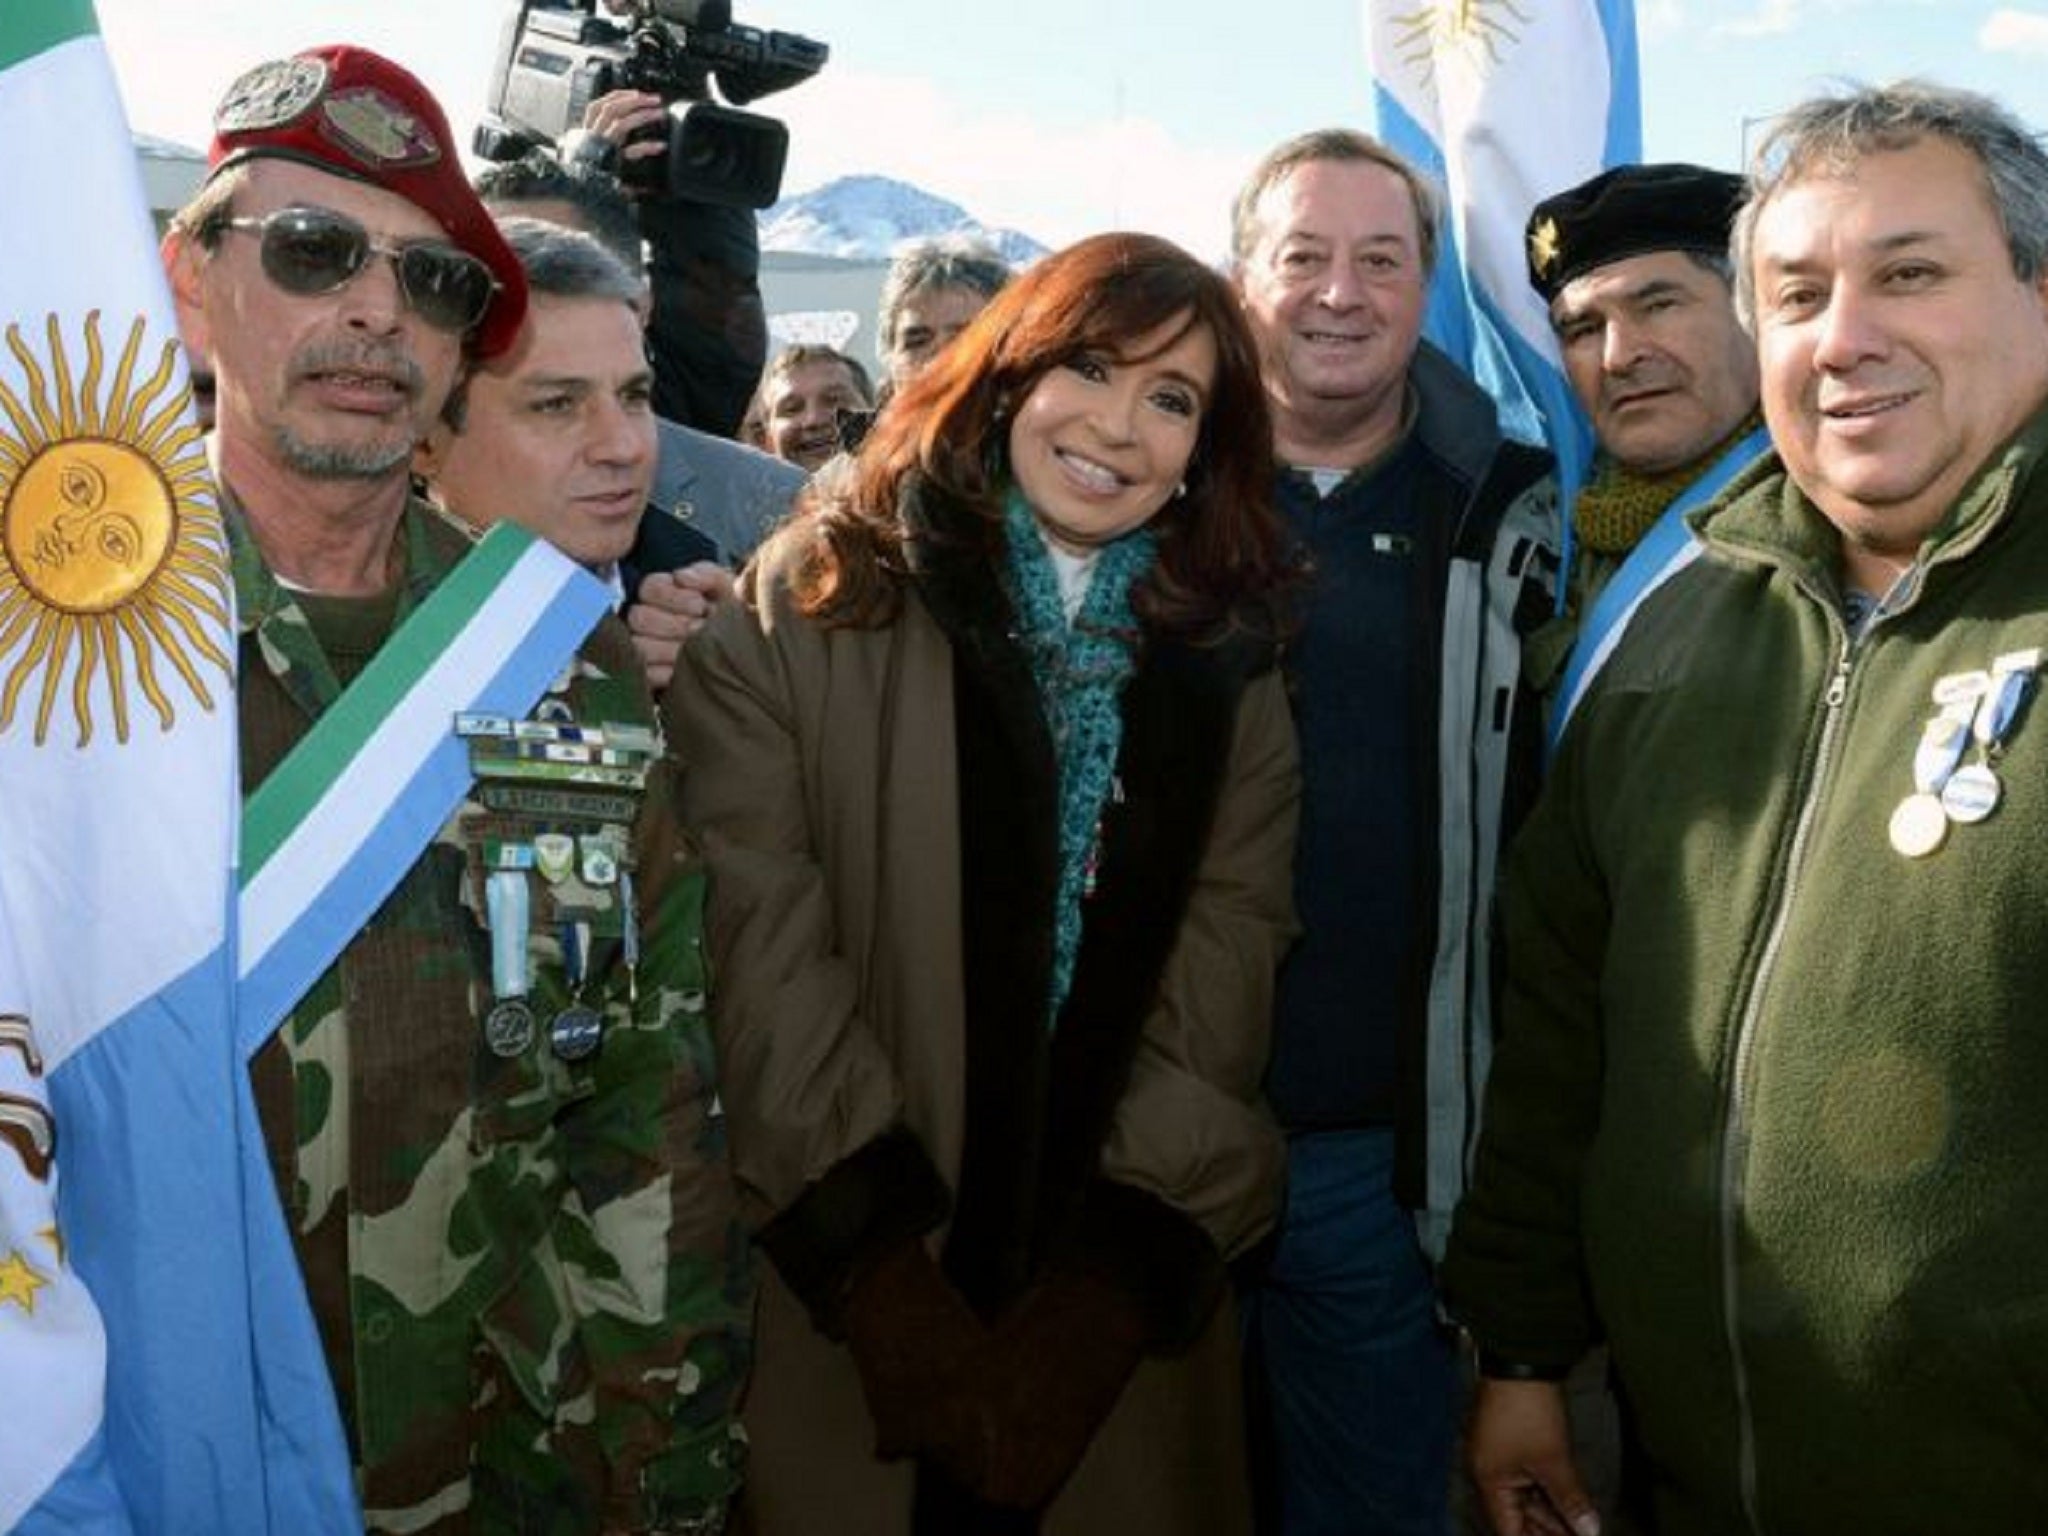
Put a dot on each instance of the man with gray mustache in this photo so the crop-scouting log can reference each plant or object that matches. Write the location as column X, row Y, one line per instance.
column 489, row 1106
column 368, row 368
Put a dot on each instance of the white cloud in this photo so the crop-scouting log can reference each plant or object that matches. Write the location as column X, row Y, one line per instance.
column 2021, row 32
column 1055, row 182
column 1770, row 19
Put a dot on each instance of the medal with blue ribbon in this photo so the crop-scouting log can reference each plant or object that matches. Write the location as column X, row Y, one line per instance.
column 510, row 1026
column 1978, row 708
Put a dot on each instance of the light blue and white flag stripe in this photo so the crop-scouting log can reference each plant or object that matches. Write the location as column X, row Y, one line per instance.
column 338, row 823
column 213, row 1411
column 1668, row 548
column 52, row 1348
column 1506, row 102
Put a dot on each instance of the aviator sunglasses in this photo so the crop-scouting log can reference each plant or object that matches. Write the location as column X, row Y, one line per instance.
column 308, row 251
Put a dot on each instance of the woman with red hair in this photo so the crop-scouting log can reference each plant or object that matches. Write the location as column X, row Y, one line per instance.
column 994, row 775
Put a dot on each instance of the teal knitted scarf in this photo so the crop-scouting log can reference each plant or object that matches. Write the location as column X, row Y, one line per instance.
column 1080, row 671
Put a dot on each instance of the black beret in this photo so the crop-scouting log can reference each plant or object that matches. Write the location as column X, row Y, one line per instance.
column 1631, row 210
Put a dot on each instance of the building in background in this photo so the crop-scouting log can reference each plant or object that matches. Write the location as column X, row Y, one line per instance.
column 823, row 301
column 171, row 173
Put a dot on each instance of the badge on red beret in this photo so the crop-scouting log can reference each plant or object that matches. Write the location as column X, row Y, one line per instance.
column 377, row 130
column 271, row 95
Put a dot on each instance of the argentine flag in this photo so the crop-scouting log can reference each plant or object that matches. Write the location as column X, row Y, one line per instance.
column 194, row 1397
column 1505, row 102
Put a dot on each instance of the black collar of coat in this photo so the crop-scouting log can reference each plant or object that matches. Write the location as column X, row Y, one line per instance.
column 1040, row 1101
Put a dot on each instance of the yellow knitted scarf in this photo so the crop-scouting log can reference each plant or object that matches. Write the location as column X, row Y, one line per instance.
column 1618, row 506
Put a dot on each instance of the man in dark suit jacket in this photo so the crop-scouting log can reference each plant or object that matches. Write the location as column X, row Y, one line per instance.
column 713, row 499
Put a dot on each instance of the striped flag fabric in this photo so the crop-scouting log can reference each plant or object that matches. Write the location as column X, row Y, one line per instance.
column 131, row 1167
column 335, row 826
column 1505, row 102
column 53, row 1350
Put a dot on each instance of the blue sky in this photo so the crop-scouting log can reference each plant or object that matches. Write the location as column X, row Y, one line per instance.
column 1061, row 117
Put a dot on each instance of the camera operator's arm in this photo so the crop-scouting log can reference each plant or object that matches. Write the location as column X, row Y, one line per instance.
column 709, row 336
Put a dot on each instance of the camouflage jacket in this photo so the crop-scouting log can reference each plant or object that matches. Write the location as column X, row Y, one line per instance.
column 526, row 1271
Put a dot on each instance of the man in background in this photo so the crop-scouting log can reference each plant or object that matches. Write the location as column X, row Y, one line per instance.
column 932, row 289
column 1634, row 267
column 712, row 500
column 805, row 397
column 558, row 433
column 1433, row 543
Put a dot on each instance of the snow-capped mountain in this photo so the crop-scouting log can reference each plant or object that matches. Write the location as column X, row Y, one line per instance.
column 867, row 217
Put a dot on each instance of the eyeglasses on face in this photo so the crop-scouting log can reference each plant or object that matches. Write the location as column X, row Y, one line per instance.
column 309, row 251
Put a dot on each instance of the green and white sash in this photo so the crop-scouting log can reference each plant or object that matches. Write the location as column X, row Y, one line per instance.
column 332, row 831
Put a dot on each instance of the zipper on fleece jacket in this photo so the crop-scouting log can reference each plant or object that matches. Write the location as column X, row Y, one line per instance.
column 1735, row 1123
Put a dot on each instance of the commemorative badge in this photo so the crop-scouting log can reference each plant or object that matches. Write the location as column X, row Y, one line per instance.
column 550, row 848
column 271, row 95
column 376, row 130
column 554, row 856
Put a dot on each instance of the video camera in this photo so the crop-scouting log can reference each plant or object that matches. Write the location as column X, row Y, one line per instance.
column 555, row 57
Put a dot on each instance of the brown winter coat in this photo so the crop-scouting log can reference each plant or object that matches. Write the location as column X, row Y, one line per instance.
column 834, row 776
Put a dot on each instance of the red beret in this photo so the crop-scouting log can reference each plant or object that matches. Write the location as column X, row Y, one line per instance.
column 357, row 114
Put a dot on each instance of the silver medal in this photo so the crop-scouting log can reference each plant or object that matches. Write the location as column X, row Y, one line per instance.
column 1918, row 825
column 509, row 1028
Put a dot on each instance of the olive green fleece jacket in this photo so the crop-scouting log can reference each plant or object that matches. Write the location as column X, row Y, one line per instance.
column 1770, row 1106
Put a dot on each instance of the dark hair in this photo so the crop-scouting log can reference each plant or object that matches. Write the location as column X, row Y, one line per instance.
column 560, row 263
column 1221, row 557
column 602, row 206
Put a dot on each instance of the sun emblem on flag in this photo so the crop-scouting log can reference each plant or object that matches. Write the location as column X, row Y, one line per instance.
column 1476, row 29
column 113, row 563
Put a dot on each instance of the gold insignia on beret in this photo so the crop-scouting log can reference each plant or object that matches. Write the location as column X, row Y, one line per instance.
column 1544, row 247
column 377, row 130
column 271, row 95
